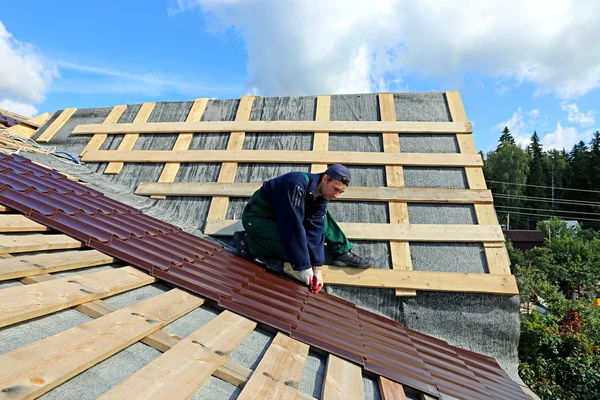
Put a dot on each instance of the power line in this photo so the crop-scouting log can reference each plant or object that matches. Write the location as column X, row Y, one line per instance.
column 547, row 209
column 545, row 187
column 548, row 215
column 546, row 200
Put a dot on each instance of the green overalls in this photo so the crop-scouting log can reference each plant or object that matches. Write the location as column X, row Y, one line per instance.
column 263, row 236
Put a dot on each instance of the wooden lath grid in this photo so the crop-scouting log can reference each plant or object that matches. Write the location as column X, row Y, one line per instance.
column 399, row 232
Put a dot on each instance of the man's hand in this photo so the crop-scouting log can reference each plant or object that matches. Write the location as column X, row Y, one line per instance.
column 317, row 280
column 306, row 275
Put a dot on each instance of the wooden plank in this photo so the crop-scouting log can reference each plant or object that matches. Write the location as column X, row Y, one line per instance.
column 179, row 373
column 22, row 266
column 390, row 390
column 36, row 242
column 421, row 280
column 29, row 131
column 278, row 373
column 97, row 140
column 5, row 209
column 361, row 193
column 277, row 127
column 321, row 139
column 399, row 251
column 401, row 232
column 19, row 223
column 219, row 205
column 18, row 117
column 55, row 126
column 36, row 368
column 26, row 302
column 161, row 340
column 343, row 380
column 129, row 139
column 286, row 157
column 183, row 141
column 496, row 258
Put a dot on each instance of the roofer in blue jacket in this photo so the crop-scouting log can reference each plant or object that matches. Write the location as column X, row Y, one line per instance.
column 287, row 219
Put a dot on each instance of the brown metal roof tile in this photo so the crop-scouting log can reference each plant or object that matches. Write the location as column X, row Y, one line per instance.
column 337, row 326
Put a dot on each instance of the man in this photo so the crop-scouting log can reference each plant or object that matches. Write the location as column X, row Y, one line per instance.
column 287, row 219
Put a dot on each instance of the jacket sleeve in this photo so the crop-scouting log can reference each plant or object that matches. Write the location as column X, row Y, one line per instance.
column 314, row 226
column 288, row 203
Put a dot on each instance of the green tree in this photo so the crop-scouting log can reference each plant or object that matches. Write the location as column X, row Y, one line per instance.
column 508, row 163
column 537, row 177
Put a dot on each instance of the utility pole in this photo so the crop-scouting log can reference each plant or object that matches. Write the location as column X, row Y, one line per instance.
column 508, row 222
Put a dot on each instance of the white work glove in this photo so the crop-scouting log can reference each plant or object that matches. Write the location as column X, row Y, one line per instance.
column 306, row 275
column 317, row 273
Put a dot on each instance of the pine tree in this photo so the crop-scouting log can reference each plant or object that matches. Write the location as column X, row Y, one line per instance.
column 506, row 139
column 537, row 177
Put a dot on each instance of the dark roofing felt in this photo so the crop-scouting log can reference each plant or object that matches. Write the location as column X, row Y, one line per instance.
column 337, row 326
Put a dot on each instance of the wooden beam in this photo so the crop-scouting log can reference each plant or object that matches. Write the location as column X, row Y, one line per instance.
column 36, row 368
column 276, row 127
column 399, row 251
column 97, row 140
column 343, row 380
column 56, row 125
column 401, row 232
column 22, row 266
column 181, row 371
column 5, row 209
column 321, row 139
column 129, row 139
column 19, row 223
column 219, row 205
column 496, row 259
column 183, row 141
column 279, row 372
column 18, row 117
column 36, row 242
column 26, row 302
column 360, row 193
column 161, row 340
column 29, row 130
column 390, row 390
column 286, row 157
column 422, row 280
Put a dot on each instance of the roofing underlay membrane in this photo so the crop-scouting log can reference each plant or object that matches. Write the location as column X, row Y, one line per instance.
column 325, row 321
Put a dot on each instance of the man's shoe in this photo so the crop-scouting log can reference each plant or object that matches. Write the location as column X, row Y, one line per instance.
column 241, row 244
column 349, row 259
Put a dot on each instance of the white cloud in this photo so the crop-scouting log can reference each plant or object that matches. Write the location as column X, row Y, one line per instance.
column 336, row 46
column 520, row 126
column 24, row 109
column 576, row 116
column 24, row 76
column 564, row 137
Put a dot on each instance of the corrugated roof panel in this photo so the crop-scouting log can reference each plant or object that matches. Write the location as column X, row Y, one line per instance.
column 337, row 326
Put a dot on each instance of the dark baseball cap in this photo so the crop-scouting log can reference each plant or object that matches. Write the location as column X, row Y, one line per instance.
column 339, row 172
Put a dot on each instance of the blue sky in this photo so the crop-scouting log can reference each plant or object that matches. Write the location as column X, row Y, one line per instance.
column 533, row 66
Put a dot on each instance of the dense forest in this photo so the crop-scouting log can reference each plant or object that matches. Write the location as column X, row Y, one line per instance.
column 530, row 184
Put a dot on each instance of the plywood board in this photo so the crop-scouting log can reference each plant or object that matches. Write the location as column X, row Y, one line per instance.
column 183, row 141
column 129, row 139
column 286, row 157
column 45, row 263
column 390, row 390
column 219, row 205
column 343, row 380
column 36, row 368
column 422, row 280
column 55, row 126
column 412, row 233
column 278, row 373
column 26, row 302
column 360, row 193
column 361, row 127
column 36, row 242
column 179, row 373
column 97, row 140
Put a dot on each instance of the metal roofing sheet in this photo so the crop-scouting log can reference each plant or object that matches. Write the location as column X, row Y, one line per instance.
column 337, row 326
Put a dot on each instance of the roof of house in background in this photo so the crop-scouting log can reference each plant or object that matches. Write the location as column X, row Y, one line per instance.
column 483, row 323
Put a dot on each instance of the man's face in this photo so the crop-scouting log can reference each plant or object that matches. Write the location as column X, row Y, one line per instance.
column 332, row 189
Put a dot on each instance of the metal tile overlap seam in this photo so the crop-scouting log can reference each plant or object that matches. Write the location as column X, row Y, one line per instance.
column 335, row 325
